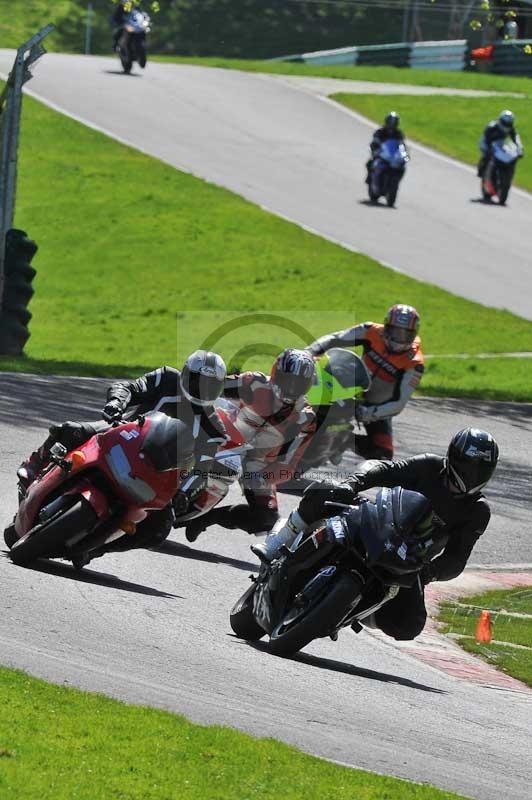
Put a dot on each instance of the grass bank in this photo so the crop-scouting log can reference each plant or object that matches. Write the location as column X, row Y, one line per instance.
column 405, row 75
column 452, row 125
column 58, row 743
column 139, row 263
column 511, row 647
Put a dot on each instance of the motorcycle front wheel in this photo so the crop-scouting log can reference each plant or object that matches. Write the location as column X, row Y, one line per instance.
column 393, row 188
column 126, row 59
column 300, row 626
column 505, row 183
column 48, row 540
column 242, row 619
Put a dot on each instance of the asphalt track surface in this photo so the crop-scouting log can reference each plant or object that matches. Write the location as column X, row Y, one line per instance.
column 298, row 153
column 153, row 627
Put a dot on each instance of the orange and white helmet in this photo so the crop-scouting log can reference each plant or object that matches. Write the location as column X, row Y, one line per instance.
column 401, row 325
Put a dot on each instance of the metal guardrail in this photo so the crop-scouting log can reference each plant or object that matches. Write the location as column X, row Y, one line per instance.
column 512, row 58
column 448, row 55
column 10, row 110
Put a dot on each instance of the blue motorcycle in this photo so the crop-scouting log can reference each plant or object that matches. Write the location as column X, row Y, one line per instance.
column 386, row 171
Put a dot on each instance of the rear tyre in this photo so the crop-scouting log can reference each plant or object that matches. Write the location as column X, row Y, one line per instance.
column 242, row 620
column 317, row 620
column 48, row 540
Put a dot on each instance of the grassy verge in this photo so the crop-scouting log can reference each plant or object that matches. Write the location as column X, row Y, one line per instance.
column 416, row 77
column 61, row 743
column 452, row 125
column 138, row 263
column 508, row 630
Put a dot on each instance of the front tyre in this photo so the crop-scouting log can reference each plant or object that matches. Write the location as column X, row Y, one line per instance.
column 393, row 188
column 242, row 619
column 48, row 540
column 296, row 630
column 505, row 183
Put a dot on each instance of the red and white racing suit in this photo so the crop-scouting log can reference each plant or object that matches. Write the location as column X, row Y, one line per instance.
column 278, row 433
column 394, row 377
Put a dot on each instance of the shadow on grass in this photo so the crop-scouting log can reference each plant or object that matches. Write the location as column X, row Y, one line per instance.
column 349, row 669
column 63, row 570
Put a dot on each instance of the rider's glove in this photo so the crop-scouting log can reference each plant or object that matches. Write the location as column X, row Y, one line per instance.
column 112, row 410
column 180, row 503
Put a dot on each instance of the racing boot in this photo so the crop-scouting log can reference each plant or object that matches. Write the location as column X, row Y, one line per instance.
column 28, row 470
column 283, row 533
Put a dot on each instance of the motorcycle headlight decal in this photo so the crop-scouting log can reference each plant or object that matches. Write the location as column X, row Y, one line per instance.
column 120, row 468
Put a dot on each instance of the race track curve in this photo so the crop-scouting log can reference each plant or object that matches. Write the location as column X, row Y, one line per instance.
column 152, row 627
column 299, row 154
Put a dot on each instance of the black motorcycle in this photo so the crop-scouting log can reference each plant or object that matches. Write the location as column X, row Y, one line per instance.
column 132, row 41
column 339, row 573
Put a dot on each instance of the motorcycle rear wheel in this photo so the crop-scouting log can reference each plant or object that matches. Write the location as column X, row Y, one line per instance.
column 48, row 540
column 318, row 621
column 242, row 620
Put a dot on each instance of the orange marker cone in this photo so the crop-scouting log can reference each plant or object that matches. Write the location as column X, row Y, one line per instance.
column 484, row 627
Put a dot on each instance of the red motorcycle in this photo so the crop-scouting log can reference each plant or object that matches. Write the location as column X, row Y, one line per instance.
column 86, row 498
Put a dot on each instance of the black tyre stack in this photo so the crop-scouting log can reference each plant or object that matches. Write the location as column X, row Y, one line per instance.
column 18, row 291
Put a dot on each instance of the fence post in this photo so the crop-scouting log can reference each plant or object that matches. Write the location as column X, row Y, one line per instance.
column 10, row 110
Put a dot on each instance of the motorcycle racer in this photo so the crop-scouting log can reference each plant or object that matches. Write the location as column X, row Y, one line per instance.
column 187, row 395
column 453, row 484
column 499, row 128
column 390, row 130
column 392, row 354
column 276, row 420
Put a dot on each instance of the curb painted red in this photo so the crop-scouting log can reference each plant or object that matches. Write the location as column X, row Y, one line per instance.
column 437, row 650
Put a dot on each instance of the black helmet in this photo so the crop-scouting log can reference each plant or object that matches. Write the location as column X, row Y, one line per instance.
column 391, row 121
column 202, row 377
column 292, row 375
column 471, row 460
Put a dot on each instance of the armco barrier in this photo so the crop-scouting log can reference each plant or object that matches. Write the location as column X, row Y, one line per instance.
column 389, row 55
column 512, row 58
column 450, row 56
column 429, row 55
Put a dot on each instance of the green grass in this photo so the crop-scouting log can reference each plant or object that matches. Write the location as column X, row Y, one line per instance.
column 507, row 630
column 452, row 125
column 418, row 77
column 138, row 263
column 59, row 744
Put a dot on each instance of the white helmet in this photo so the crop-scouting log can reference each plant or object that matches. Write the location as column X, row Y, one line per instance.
column 506, row 120
column 202, row 377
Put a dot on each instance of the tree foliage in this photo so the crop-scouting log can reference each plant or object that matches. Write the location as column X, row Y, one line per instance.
column 253, row 28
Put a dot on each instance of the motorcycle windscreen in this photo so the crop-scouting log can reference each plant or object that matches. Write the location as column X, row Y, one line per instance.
column 340, row 375
column 505, row 150
column 167, row 445
column 393, row 152
column 387, row 530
